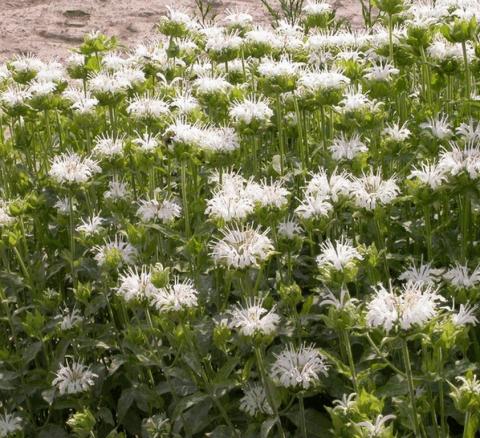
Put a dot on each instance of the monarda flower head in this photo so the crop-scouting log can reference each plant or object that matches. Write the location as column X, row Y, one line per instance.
column 70, row 168
column 74, row 378
column 242, row 247
column 176, row 297
column 339, row 256
column 347, row 148
column 115, row 253
column 371, row 190
column 9, row 424
column 298, row 368
column 147, row 107
column 254, row 401
column 324, row 87
column 252, row 112
column 153, row 210
column 254, row 319
column 136, row 284
column 414, row 304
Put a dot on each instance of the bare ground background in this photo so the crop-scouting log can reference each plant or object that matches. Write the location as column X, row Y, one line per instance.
column 49, row 28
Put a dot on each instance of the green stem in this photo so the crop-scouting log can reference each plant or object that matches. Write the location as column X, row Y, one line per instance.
column 268, row 389
column 281, row 139
column 441, row 395
column 348, row 348
column 466, row 426
column 303, row 425
column 382, row 356
column 185, row 198
column 411, row 388
column 467, row 75
column 428, row 230
column 390, row 36
column 72, row 240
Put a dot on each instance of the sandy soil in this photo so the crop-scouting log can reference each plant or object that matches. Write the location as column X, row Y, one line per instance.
column 49, row 28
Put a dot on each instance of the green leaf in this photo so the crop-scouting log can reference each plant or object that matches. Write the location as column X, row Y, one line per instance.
column 267, row 426
column 124, row 402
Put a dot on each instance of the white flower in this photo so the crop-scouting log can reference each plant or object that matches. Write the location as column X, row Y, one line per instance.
column 262, row 37
column 316, row 7
column 108, row 147
column 70, row 319
column 242, row 247
column 151, row 210
column 74, row 378
column 14, row 96
column 347, row 148
column 113, row 61
column 176, row 297
column 229, row 205
column 290, row 35
column 69, row 168
column 414, row 304
column 253, row 318
column 371, row 189
column 469, row 131
column 237, row 18
column 41, row 88
column 26, row 63
column 91, row 225
column 63, row 206
column 182, row 132
column 251, row 109
column 75, row 60
column 438, row 126
column 5, row 218
column 222, row 41
column 135, row 284
column 334, row 186
column 147, row 106
column 184, row 102
column 117, row 190
column 107, row 83
column 207, row 84
column 346, row 403
column 458, row 159
column 271, row 68
column 383, row 71
column 179, row 17
column 272, row 195
column 254, row 400
column 117, row 251
column 289, row 228
column 355, row 100
column 343, row 302
column 84, row 105
column 9, row 424
column 469, row 384
column 375, row 430
column 459, row 276
column 314, row 206
column 465, row 315
column 222, row 139
column 311, row 82
column 338, row 255
column 423, row 274
column 431, row 175
column 298, row 368
column 396, row 132
column 441, row 50
column 323, row 40
column 146, row 141
column 130, row 76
